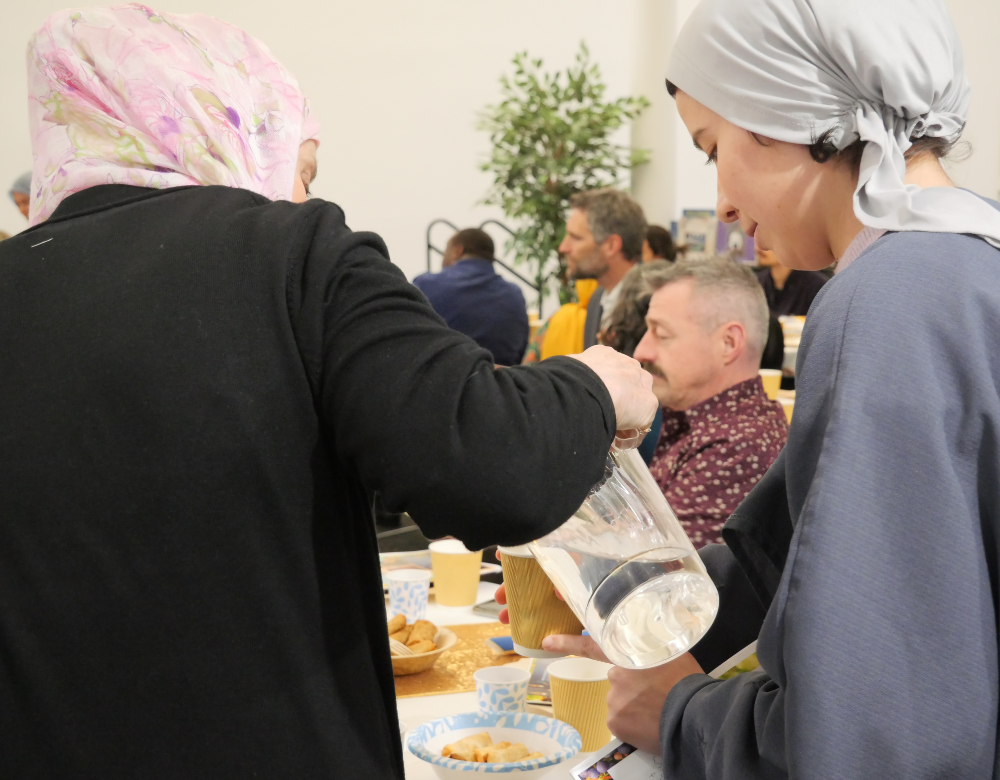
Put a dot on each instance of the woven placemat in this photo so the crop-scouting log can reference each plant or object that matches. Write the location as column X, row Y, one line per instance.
column 454, row 669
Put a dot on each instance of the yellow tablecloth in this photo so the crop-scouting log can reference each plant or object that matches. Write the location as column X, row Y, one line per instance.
column 454, row 669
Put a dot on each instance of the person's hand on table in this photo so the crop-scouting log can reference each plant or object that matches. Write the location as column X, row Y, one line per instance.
column 636, row 698
column 630, row 387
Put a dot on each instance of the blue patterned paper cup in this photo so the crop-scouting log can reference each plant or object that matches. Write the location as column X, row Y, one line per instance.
column 408, row 592
column 502, row 688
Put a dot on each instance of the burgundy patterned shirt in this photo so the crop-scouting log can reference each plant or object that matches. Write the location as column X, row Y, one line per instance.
column 709, row 456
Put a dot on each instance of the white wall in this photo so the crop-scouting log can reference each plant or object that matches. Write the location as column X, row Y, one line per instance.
column 977, row 22
column 397, row 86
column 655, row 130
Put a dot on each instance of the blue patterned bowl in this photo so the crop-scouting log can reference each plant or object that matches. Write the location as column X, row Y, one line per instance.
column 558, row 742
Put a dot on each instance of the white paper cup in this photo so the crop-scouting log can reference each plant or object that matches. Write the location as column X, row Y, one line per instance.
column 408, row 592
column 502, row 688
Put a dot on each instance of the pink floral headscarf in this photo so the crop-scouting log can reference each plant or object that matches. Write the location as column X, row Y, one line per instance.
column 126, row 95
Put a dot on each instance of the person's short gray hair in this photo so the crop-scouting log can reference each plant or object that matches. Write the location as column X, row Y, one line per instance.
column 21, row 185
column 611, row 212
column 732, row 289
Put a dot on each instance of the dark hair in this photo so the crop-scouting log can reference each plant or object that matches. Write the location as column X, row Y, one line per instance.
column 822, row 149
column 661, row 242
column 474, row 242
column 611, row 212
column 627, row 322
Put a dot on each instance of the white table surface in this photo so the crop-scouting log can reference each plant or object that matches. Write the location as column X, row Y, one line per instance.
column 420, row 709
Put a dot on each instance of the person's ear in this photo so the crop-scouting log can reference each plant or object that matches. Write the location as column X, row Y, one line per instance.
column 612, row 245
column 451, row 254
column 733, row 341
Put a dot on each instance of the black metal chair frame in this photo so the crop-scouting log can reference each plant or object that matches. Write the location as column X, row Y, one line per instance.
column 536, row 285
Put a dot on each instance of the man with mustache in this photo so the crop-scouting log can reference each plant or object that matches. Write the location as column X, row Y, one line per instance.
column 707, row 327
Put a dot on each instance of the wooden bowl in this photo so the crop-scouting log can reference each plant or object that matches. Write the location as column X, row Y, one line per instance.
column 445, row 639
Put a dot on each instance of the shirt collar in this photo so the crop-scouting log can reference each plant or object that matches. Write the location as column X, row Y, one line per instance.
column 861, row 242
column 715, row 406
column 102, row 197
column 472, row 266
column 608, row 303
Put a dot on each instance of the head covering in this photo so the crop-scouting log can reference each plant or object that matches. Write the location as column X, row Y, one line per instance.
column 884, row 71
column 126, row 95
column 22, row 184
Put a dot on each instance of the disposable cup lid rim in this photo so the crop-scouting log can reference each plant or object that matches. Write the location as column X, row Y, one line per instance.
column 589, row 676
column 409, row 575
column 520, row 551
column 523, row 674
column 442, row 545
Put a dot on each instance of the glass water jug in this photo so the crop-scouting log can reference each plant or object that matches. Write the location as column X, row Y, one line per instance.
column 628, row 570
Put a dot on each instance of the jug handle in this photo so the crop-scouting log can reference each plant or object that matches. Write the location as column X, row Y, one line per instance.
column 629, row 439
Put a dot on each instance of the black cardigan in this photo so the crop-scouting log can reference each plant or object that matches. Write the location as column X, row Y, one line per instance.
column 200, row 388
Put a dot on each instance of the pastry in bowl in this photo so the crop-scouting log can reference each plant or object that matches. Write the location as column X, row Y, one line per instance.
column 466, row 738
column 424, row 642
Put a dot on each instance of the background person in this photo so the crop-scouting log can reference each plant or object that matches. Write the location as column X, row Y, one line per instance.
column 209, row 383
column 707, row 326
column 20, row 193
column 787, row 291
column 604, row 235
column 562, row 333
column 659, row 245
column 628, row 325
column 473, row 299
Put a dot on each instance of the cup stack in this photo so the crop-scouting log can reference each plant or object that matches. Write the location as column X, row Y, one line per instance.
column 534, row 608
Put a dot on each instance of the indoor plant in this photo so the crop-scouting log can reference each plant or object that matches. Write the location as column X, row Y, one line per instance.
column 552, row 136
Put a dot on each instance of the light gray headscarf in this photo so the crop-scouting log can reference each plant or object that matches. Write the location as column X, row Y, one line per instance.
column 882, row 70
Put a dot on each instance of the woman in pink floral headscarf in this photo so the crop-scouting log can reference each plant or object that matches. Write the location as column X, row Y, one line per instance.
column 126, row 95
column 205, row 377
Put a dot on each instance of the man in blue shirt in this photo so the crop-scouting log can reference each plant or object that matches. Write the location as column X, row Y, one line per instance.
column 473, row 299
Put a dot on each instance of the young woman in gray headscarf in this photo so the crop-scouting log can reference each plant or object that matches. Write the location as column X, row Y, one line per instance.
column 872, row 542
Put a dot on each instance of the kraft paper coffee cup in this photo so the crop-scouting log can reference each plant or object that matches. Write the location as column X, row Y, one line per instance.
column 534, row 608
column 771, row 377
column 580, row 698
column 456, row 573
column 788, row 404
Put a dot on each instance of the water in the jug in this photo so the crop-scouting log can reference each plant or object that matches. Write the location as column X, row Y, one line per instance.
column 643, row 611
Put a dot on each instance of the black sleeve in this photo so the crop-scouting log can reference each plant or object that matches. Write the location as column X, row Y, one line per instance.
column 740, row 612
column 418, row 410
